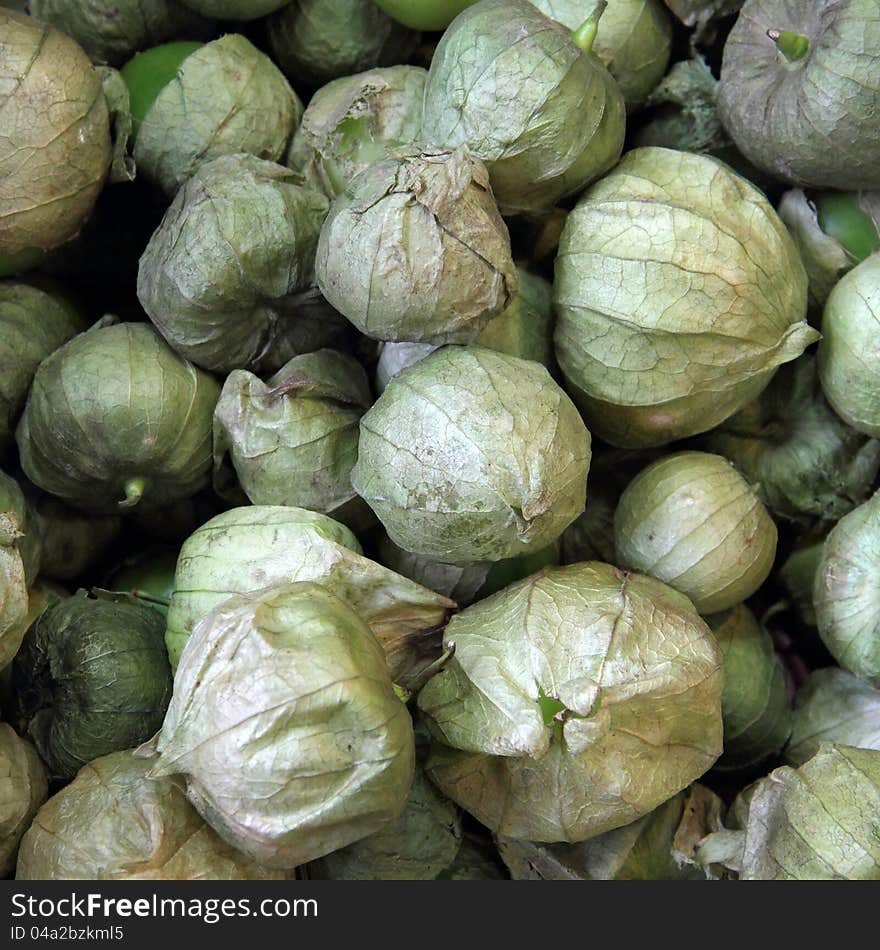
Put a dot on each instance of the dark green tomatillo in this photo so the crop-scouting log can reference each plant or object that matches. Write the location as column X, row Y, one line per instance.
column 116, row 418
column 92, row 677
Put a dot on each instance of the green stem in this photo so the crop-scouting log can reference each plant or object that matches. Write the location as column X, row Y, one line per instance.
column 402, row 693
column 793, row 46
column 585, row 34
column 134, row 491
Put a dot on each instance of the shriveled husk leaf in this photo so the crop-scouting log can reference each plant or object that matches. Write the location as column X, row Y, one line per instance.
column 826, row 260
column 672, row 311
column 416, row 846
column 315, row 41
column 685, row 113
column 690, row 519
column 576, row 701
column 701, row 14
column 833, row 706
column 115, row 823
column 846, row 594
column 25, row 533
column 473, row 455
column 221, row 275
column 111, row 31
column 414, row 249
column 524, row 329
column 234, row 9
column 227, row 97
column 23, row 789
column 117, row 418
column 804, row 462
column 33, row 323
column 811, row 122
column 658, row 847
column 754, row 702
column 55, row 139
column 817, row 822
column 353, row 121
column 293, row 439
column 91, row 678
column 285, row 723
column 504, row 82
column 633, row 41
column 259, row 546
column 847, row 365
column 116, row 94
column 798, row 576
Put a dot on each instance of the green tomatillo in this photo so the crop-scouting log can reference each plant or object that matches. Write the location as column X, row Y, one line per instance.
column 754, row 701
column 354, row 120
column 34, row 322
column 833, row 706
column 192, row 103
column 116, row 418
column 23, row 789
column 846, row 592
column 293, row 439
column 290, row 691
column 473, row 455
column 314, row 41
column 223, row 275
column 414, row 249
column 115, row 823
column 678, row 293
column 111, row 31
column 249, row 548
column 576, row 702
column 797, row 91
column 505, row 82
column 805, row 462
column 692, row 521
column 633, row 40
column 834, row 231
column 848, row 353
column 55, row 146
column 92, row 677
column 424, row 14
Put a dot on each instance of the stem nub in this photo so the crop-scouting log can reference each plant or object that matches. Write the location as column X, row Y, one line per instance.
column 585, row 35
column 134, row 491
column 793, row 46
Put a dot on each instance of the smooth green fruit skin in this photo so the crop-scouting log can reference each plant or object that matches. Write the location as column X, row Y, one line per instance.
column 841, row 218
column 148, row 73
column 150, row 578
column 424, row 14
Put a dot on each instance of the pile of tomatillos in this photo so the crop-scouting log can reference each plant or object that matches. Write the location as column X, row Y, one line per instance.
column 439, row 439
